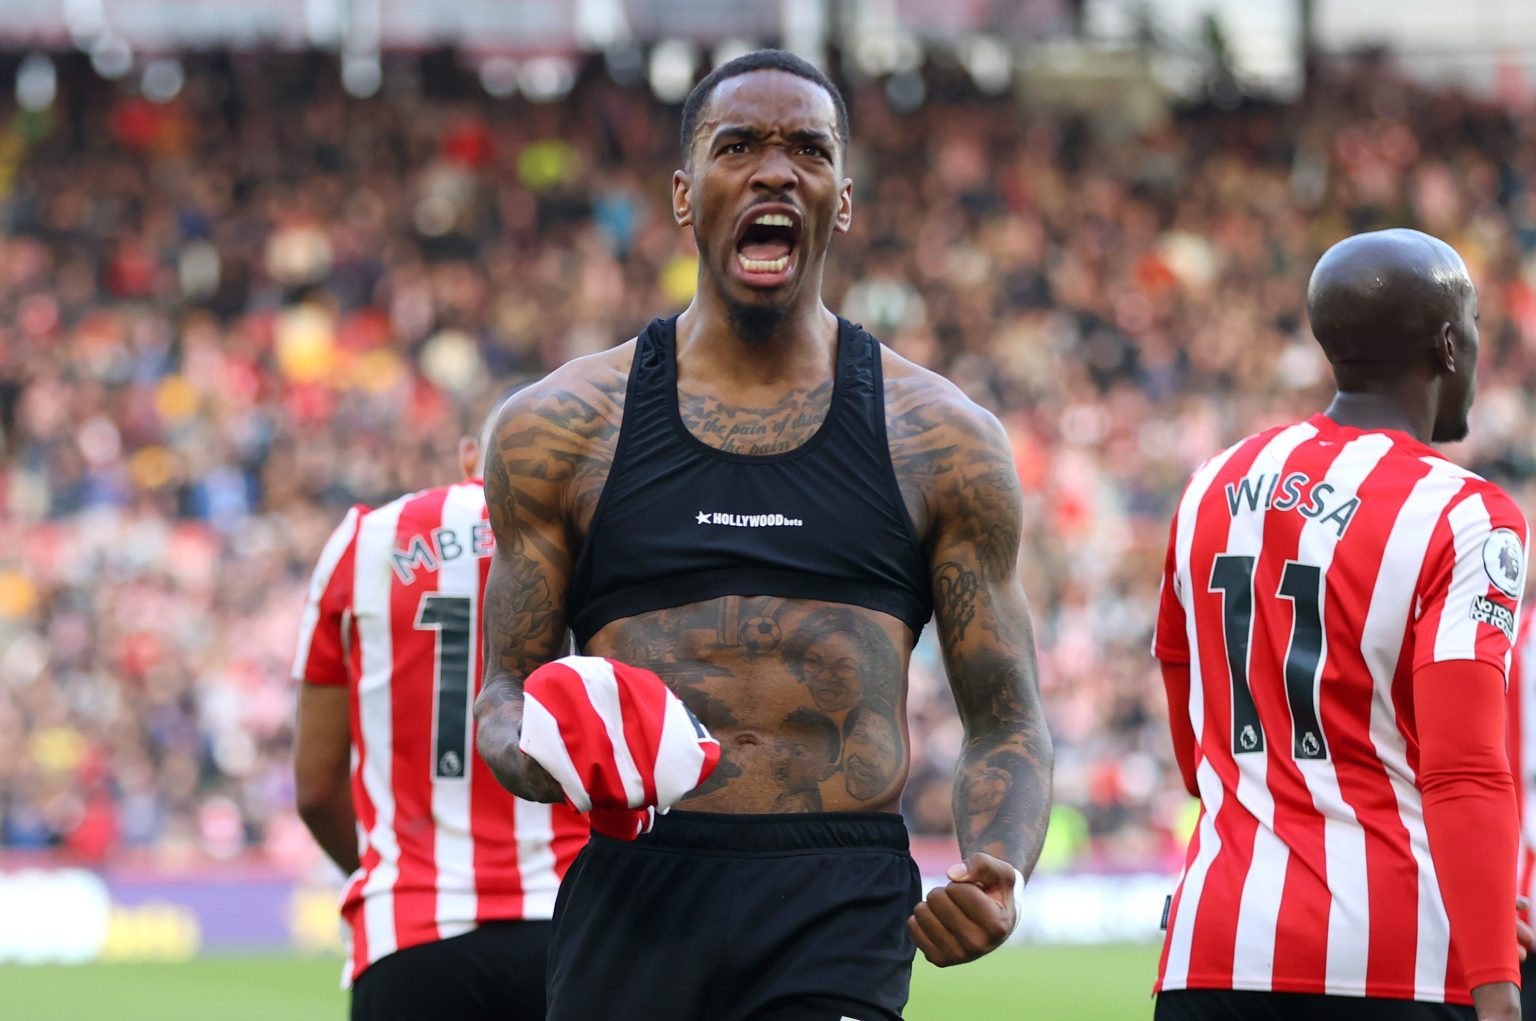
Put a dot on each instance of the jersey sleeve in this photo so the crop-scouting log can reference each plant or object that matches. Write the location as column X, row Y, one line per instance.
column 1170, row 636
column 1472, row 582
column 321, row 657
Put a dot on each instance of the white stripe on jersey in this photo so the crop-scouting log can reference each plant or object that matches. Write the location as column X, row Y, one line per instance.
column 1381, row 643
column 1192, row 882
column 1259, row 908
column 603, row 692
column 330, row 555
column 370, row 603
column 536, row 858
column 1456, row 637
column 1349, row 909
column 454, row 846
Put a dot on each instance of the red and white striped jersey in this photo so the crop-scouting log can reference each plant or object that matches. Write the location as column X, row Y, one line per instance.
column 1311, row 569
column 393, row 612
column 1522, row 748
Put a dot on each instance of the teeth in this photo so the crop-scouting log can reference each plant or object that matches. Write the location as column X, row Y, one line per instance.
column 774, row 220
column 763, row 265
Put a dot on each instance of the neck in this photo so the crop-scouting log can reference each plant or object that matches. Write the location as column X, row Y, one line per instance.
column 1367, row 410
column 805, row 343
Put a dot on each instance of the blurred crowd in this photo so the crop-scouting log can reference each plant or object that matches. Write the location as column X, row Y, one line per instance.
column 226, row 317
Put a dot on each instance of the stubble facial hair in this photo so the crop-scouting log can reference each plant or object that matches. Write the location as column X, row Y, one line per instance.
column 755, row 324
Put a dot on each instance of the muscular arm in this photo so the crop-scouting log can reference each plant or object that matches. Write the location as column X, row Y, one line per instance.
column 542, row 447
column 1002, row 792
column 968, row 492
column 1176, row 683
column 321, row 767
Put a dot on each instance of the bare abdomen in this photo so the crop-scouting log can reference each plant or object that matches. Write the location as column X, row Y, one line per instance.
column 807, row 699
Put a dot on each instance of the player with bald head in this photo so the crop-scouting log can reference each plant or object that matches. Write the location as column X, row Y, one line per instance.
column 1338, row 607
column 1396, row 314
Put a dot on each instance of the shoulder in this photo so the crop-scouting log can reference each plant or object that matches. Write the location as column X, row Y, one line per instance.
column 954, row 460
column 579, row 394
column 1484, row 506
column 921, row 405
column 554, row 441
column 1236, row 460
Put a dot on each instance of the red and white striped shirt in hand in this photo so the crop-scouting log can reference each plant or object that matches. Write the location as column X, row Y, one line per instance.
column 1311, row 570
column 619, row 743
column 393, row 613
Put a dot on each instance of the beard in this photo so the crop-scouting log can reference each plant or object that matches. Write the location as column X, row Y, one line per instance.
column 1450, row 432
column 754, row 323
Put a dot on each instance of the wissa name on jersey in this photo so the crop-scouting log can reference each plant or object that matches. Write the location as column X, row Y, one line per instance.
column 1295, row 491
column 438, row 547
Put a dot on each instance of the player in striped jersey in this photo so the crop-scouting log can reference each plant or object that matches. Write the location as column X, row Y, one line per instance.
column 451, row 879
column 1338, row 610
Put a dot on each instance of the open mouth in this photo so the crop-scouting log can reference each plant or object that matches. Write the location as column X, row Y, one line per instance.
column 766, row 245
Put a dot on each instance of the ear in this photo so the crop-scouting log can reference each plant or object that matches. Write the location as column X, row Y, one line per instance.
column 828, row 771
column 1445, row 349
column 682, row 198
column 469, row 456
column 844, row 219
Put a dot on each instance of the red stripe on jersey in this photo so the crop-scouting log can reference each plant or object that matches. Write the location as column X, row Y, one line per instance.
column 1215, row 923
column 1346, row 710
column 1303, row 901
column 1522, row 677
column 645, row 709
column 563, row 692
column 1175, row 900
column 415, row 667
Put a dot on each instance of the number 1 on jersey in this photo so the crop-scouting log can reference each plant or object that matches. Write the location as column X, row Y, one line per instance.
column 449, row 616
column 1301, row 585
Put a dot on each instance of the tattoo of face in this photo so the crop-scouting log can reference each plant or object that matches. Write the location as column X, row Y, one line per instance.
column 805, row 755
column 986, row 809
column 872, row 752
column 1009, row 705
column 757, row 431
column 955, row 601
column 843, row 658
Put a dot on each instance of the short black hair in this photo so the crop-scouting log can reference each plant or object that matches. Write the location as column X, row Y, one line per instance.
column 759, row 60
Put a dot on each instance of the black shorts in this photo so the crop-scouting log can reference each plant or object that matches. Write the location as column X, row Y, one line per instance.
column 493, row 973
column 1248, row 1005
column 1528, row 987
column 732, row 917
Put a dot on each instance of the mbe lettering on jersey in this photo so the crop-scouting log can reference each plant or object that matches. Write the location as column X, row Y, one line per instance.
column 441, row 546
column 1293, row 492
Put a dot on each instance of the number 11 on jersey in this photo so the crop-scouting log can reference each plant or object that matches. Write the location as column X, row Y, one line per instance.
column 1302, row 586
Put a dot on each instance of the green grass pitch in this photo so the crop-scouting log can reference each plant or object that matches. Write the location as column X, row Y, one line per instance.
column 1048, row 983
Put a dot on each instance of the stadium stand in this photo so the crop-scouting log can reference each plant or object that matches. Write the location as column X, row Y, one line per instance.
column 226, row 317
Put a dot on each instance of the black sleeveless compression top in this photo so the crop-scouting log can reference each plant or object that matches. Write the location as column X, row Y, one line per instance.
column 680, row 522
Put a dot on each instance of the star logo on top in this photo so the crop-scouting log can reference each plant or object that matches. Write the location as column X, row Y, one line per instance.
column 746, row 520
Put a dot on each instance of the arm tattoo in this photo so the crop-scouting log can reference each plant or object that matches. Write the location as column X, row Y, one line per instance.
column 956, row 469
column 550, row 459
